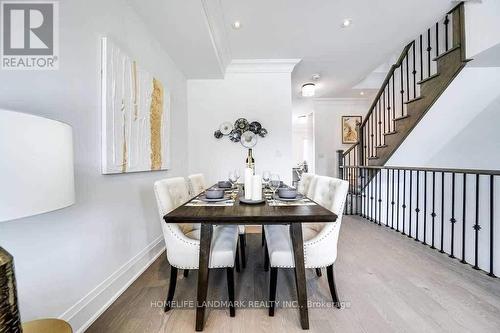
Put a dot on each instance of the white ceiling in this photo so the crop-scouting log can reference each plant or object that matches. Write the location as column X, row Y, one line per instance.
column 198, row 34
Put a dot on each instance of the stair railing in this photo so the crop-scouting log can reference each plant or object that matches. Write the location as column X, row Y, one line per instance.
column 402, row 84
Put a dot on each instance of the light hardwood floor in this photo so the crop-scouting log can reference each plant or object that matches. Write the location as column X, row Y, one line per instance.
column 390, row 284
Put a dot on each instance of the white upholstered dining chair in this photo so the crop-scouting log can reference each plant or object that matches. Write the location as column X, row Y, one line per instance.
column 320, row 239
column 305, row 183
column 197, row 184
column 183, row 240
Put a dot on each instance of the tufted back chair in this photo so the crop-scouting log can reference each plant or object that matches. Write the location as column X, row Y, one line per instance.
column 197, row 184
column 321, row 249
column 170, row 194
column 305, row 183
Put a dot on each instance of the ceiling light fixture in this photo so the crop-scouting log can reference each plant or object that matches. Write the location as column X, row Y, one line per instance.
column 346, row 23
column 236, row 25
column 308, row 89
column 362, row 93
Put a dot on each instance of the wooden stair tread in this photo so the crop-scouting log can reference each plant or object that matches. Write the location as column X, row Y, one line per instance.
column 447, row 52
column 402, row 117
column 413, row 100
column 391, row 133
column 429, row 78
column 381, row 146
column 373, row 158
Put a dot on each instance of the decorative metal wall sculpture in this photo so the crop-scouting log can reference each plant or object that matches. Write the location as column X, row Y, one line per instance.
column 242, row 131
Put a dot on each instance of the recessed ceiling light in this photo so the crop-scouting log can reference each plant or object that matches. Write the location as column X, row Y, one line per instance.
column 346, row 23
column 236, row 25
column 362, row 93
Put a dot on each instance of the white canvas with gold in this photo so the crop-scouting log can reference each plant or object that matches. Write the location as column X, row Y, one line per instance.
column 135, row 115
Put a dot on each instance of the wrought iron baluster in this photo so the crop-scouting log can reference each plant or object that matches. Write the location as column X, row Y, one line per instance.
column 387, row 199
column 379, row 197
column 425, row 208
column 397, row 204
column 404, row 202
column 414, row 72
column 379, row 124
column 433, row 214
column 392, row 201
column 417, row 209
column 442, row 213
column 476, row 227
column 410, row 198
column 452, row 220
column 402, row 91
column 384, row 118
column 407, row 78
column 421, row 59
column 350, row 184
column 393, row 103
column 429, row 48
column 492, row 221
column 371, row 195
column 464, row 217
column 375, row 195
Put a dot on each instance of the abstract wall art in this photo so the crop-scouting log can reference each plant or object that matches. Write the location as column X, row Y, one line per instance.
column 135, row 115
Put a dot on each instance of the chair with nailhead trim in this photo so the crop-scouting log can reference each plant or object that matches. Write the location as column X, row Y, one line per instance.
column 197, row 184
column 320, row 239
column 305, row 183
column 183, row 240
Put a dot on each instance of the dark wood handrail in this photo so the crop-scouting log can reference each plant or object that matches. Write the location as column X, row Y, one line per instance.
column 445, row 170
column 386, row 81
column 351, row 148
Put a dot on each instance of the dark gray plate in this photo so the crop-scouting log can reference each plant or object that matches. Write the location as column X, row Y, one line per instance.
column 204, row 198
column 298, row 197
column 251, row 202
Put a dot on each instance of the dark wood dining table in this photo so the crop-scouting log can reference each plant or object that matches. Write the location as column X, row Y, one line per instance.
column 244, row 214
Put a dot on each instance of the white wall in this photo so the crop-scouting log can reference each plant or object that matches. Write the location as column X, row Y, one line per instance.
column 475, row 146
column 259, row 96
column 473, row 92
column 482, row 28
column 65, row 259
column 328, row 129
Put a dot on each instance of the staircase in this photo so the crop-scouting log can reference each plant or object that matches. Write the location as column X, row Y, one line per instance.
column 425, row 68
column 450, row 210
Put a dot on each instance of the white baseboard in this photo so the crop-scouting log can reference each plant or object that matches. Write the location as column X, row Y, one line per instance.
column 84, row 312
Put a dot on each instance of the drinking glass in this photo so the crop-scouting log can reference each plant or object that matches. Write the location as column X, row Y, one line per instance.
column 274, row 184
column 232, row 178
column 266, row 176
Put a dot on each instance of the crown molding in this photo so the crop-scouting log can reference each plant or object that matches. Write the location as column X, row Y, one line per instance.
column 214, row 18
column 262, row 65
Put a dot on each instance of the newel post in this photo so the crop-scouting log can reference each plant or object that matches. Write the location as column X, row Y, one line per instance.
column 340, row 163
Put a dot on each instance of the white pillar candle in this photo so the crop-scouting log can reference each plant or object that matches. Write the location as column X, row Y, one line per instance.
column 257, row 187
column 248, row 183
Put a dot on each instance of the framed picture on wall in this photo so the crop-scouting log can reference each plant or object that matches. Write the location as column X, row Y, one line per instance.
column 349, row 132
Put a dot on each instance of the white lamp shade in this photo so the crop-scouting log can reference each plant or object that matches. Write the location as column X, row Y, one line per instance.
column 36, row 165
